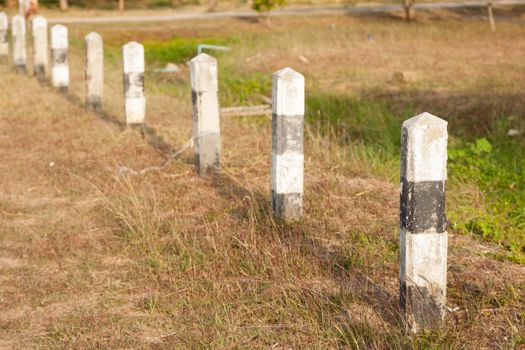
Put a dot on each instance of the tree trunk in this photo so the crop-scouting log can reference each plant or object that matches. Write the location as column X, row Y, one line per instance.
column 491, row 16
column 409, row 9
column 212, row 4
column 121, row 6
column 63, row 5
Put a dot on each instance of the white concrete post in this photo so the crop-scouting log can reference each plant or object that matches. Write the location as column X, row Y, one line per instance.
column 21, row 7
column 287, row 144
column 59, row 64
column 206, row 126
column 423, row 236
column 94, row 71
column 18, row 32
column 40, row 52
column 4, row 42
column 133, row 67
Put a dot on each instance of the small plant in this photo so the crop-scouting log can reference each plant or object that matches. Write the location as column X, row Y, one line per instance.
column 265, row 6
column 501, row 216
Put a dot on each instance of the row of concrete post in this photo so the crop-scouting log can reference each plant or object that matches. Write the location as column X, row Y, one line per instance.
column 133, row 62
column 423, row 236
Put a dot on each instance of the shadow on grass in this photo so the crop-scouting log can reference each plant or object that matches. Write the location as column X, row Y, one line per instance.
column 256, row 207
column 149, row 133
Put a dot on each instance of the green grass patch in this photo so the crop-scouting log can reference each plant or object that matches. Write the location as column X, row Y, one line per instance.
column 177, row 50
column 494, row 164
column 500, row 175
column 236, row 89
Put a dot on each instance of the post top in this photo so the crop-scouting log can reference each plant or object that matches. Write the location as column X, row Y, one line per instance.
column 59, row 27
column 424, row 148
column 203, row 74
column 426, row 120
column 132, row 45
column 39, row 21
column 288, row 93
column 133, row 57
column 203, row 58
column 59, row 37
column 288, row 74
column 93, row 36
column 18, row 18
column 3, row 16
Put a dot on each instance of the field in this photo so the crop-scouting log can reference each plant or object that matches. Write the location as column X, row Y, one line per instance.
column 109, row 240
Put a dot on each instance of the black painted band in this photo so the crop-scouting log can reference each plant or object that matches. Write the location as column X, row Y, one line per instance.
column 39, row 70
column 287, row 134
column 287, row 204
column 134, row 85
column 420, row 305
column 59, row 56
column 422, row 206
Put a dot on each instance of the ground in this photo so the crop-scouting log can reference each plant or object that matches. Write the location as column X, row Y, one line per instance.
column 109, row 239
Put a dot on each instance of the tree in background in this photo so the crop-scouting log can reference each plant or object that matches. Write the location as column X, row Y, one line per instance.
column 490, row 13
column 265, row 6
column 409, row 9
column 212, row 5
column 63, row 5
column 121, row 5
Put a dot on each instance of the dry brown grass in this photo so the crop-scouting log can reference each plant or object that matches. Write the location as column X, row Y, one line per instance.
column 93, row 257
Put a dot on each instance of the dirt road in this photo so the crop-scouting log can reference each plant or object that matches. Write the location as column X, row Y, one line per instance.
column 310, row 11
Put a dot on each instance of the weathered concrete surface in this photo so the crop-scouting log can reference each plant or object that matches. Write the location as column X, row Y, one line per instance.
column 4, row 41
column 40, row 47
column 288, row 144
column 59, row 62
column 206, row 126
column 133, row 67
column 23, row 6
column 18, row 32
column 94, row 71
column 423, row 236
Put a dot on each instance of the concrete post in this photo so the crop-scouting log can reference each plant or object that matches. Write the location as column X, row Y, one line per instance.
column 287, row 144
column 19, row 43
column 4, row 42
column 59, row 64
column 423, row 236
column 40, row 53
column 22, row 7
column 206, row 126
column 133, row 67
column 94, row 71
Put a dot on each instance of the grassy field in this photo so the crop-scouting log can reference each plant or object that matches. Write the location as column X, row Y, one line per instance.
column 94, row 255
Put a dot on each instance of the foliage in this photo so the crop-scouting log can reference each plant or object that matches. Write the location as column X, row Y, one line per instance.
column 238, row 89
column 177, row 50
column 266, row 5
column 502, row 217
column 494, row 168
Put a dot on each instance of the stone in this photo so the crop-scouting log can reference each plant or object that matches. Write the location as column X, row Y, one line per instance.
column 513, row 132
column 169, row 68
column 406, row 77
